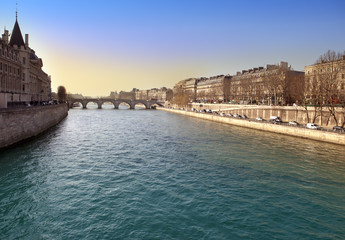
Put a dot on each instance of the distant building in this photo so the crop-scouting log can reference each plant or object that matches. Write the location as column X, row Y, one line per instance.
column 114, row 95
column 22, row 79
column 127, row 95
column 161, row 94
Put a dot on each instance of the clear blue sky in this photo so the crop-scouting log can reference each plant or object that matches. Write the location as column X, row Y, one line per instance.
column 94, row 47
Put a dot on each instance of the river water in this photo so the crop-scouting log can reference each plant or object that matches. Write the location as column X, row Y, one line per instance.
column 149, row 174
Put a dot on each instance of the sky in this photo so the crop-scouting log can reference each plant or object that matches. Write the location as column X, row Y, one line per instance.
column 93, row 47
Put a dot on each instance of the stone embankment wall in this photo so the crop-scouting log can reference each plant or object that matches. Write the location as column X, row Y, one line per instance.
column 286, row 113
column 22, row 123
column 329, row 137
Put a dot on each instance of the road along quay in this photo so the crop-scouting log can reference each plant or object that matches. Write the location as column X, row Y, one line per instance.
column 324, row 136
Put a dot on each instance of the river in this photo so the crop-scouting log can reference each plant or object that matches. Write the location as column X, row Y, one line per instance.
column 149, row 174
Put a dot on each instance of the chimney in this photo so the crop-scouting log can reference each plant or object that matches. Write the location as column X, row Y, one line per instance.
column 5, row 36
column 283, row 65
column 27, row 40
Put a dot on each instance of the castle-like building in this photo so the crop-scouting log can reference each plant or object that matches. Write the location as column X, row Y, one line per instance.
column 22, row 80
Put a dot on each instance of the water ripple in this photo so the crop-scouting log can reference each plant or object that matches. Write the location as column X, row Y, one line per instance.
column 154, row 175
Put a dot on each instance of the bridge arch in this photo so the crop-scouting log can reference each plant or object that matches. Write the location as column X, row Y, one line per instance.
column 155, row 103
column 115, row 102
column 87, row 101
column 102, row 101
column 128, row 102
column 74, row 102
column 143, row 102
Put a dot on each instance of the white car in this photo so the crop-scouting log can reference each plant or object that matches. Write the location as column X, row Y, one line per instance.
column 259, row 119
column 222, row 114
column 293, row 123
column 313, row 126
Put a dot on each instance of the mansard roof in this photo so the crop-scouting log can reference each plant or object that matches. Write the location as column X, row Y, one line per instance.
column 16, row 37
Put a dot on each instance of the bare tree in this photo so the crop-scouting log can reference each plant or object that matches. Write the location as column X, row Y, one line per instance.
column 246, row 92
column 275, row 83
column 181, row 97
column 325, row 85
column 330, row 82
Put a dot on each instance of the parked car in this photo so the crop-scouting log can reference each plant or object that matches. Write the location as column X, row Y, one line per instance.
column 275, row 119
column 243, row 116
column 222, row 114
column 313, row 126
column 193, row 109
column 259, row 119
column 229, row 115
column 236, row 115
column 203, row 110
column 338, row 129
column 293, row 123
column 216, row 113
column 209, row 111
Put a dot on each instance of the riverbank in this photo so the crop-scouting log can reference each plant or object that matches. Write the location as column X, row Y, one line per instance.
column 19, row 124
column 323, row 136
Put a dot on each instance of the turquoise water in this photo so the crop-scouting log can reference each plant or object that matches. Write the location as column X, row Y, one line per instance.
column 137, row 174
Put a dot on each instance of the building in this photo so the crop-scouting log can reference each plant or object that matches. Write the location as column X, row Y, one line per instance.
column 273, row 85
column 325, row 80
column 161, row 94
column 212, row 89
column 22, row 79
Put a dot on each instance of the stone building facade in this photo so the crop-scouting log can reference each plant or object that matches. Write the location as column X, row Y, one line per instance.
column 22, row 79
column 325, row 81
column 212, row 89
column 272, row 85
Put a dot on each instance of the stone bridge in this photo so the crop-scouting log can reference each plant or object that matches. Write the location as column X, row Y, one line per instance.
column 116, row 102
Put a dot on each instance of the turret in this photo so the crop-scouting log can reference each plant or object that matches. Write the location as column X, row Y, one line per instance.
column 16, row 37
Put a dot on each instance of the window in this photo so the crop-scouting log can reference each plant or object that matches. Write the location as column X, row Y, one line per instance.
column 343, row 76
column 23, row 60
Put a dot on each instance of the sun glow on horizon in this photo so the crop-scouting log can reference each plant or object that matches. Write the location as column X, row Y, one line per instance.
column 99, row 48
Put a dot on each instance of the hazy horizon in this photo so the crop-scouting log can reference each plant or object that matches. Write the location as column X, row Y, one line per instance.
column 93, row 49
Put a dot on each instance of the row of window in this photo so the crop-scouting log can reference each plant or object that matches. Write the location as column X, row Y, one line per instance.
column 322, row 70
column 6, row 68
column 10, row 84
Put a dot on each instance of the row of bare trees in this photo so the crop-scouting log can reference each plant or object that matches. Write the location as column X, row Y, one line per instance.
column 325, row 87
column 321, row 91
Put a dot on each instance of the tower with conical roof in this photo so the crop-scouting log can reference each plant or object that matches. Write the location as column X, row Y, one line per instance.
column 16, row 36
column 22, row 77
